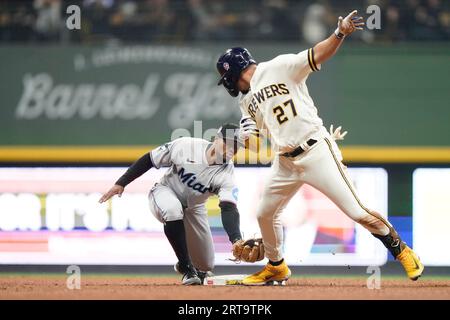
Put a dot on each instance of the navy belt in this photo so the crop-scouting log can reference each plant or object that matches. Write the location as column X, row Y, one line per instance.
column 299, row 150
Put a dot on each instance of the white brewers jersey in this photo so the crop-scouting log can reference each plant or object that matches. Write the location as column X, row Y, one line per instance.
column 190, row 176
column 279, row 100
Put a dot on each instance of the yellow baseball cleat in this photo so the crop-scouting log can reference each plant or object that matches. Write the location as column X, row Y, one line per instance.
column 269, row 274
column 411, row 262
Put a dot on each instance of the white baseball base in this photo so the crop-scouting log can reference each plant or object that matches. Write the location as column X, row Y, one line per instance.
column 225, row 280
column 233, row 280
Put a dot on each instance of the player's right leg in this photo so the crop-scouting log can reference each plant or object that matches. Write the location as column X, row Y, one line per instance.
column 166, row 207
column 325, row 172
column 199, row 240
column 282, row 184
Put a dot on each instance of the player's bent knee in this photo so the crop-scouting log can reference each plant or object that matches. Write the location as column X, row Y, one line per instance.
column 264, row 217
column 173, row 213
column 168, row 212
column 265, row 212
column 173, row 208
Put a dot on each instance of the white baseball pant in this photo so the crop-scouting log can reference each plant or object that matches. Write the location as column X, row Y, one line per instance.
column 165, row 206
column 320, row 167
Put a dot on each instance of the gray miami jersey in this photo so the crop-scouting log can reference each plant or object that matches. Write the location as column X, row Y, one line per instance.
column 190, row 176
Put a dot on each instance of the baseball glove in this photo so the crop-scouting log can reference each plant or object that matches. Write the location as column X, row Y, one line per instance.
column 250, row 250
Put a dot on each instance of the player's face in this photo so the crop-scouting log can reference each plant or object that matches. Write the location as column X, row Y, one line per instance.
column 225, row 149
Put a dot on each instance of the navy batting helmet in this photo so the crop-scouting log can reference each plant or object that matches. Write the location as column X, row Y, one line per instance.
column 230, row 65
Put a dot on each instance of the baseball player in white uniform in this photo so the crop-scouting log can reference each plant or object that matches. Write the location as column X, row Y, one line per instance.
column 197, row 170
column 275, row 102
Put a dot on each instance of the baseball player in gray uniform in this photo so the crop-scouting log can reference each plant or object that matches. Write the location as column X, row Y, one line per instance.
column 197, row 169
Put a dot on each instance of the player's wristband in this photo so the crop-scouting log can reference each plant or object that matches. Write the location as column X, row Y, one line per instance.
column 338, row 34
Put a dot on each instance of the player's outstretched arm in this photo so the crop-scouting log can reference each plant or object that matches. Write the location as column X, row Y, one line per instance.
column 327, row 48
column 142, row 165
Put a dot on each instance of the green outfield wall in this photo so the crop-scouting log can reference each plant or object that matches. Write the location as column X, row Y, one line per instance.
column 136, row 96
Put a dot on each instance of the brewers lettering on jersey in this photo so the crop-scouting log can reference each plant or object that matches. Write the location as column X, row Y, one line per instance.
column 197, row 169
column 275, row 101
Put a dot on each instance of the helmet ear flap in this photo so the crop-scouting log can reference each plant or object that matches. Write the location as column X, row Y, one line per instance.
column 230, row 85
column 229, row 81
column 233, row 92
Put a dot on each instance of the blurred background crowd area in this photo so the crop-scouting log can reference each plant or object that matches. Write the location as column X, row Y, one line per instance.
column 181, row 21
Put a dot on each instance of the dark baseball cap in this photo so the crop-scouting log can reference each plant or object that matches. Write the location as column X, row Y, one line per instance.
column 230, row 131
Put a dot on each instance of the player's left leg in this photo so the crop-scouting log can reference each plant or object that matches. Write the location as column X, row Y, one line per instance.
column 325, row 171
column 281, row 185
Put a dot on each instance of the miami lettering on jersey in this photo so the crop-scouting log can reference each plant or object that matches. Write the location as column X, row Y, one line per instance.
column 264, row 94
column 189, row 178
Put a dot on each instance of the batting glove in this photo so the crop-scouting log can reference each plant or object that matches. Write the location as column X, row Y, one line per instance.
column 336, row 134
column 248, row 128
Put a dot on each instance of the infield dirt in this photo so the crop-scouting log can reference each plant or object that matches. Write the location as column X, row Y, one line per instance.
column 169, row 288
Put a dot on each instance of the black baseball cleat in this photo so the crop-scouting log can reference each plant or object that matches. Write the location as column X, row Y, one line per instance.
column 201, row 274
column 190, row 276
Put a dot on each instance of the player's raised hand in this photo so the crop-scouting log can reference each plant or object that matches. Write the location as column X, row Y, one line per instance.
column 350, row 23
column 116, row 189
column 336, row 134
